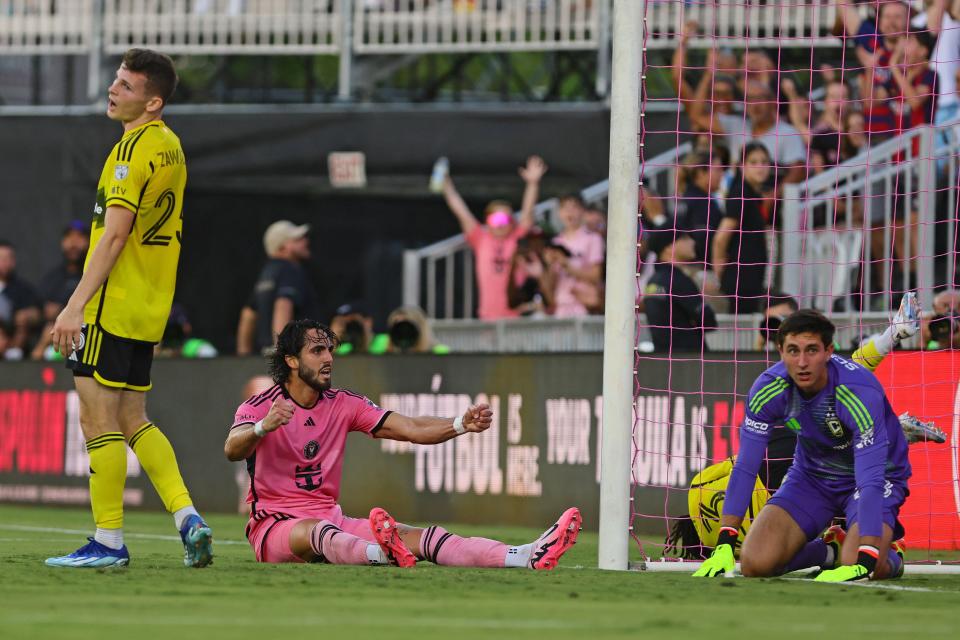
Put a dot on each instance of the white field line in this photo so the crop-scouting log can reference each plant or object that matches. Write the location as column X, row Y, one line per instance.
column 126, row 534
column 878, row 585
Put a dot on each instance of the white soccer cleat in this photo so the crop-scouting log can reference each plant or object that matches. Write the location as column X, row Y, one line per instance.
column 906, row 322
column 917, row 431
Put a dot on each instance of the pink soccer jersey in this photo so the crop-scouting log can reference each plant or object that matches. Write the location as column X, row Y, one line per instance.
column 296, row 469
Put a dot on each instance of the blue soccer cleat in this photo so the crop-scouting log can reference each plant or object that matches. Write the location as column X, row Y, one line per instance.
column 906, row 322
column 92, row 555
column 197, row 542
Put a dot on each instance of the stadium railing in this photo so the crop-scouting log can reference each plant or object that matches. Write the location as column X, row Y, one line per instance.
column 549, row 335
column 833, row 223
column 46, row 27
column 415, row 26
column 736, row 24
column 423, row 26
column 445, row 265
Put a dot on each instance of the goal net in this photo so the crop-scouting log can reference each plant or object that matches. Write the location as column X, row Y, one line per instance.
column 792, row 153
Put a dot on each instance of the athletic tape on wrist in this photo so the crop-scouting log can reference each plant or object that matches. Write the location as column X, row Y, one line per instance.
column 458, row 425
column 258, row 429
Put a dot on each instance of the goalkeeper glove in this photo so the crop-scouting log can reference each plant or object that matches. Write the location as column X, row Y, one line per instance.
column 866, row 563
column 721, row 560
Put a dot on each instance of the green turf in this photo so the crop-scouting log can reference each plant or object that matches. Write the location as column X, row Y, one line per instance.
column 156, row 597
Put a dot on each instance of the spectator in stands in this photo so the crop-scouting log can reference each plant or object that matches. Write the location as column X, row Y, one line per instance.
column 739, row 250
column 575, row 260
column 526, row 287
column 874, row 39
column 899, row 96
column 854, row 139
column 676, row 312
column 58, row 284
column 942, row 329
column 761, row 123
column 698, row 212
column 779, row 306
column 718, row 88
column 942, row 18
column 595, row 219
column 495, row 241
column 824, row 137
column 283, row 291
column 19, row 303
column 409, row 332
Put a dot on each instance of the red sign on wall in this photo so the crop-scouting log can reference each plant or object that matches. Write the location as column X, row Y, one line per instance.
column 927, row 384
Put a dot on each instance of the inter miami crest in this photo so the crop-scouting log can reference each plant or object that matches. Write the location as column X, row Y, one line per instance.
column 310, row 449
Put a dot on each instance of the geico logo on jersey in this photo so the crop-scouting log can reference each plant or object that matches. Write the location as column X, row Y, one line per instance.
column 756, row 425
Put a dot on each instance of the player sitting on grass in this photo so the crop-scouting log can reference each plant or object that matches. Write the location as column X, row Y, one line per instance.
column 292, row 437
column 694, row 536
column 851, row 458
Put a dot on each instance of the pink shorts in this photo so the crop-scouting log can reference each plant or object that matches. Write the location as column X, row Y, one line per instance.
column 270, row 535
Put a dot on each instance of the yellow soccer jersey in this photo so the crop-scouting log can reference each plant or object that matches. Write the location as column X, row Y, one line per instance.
column 146, row 172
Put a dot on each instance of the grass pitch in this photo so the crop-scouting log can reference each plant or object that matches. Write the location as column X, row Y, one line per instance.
column 156, row 597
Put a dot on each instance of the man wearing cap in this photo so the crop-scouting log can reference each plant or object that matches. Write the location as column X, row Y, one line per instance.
column 495, row 242
column 58, row 284
column 283, row 292
column 677, row 316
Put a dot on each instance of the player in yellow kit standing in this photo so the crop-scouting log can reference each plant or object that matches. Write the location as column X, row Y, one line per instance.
column 119, row 309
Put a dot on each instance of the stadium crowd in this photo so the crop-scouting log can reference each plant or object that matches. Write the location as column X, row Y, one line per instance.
column 755, row 130
column 710, row 244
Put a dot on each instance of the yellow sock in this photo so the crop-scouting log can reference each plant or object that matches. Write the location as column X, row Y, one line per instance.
column 869, row 355
column 158, row 460
column 108, row 473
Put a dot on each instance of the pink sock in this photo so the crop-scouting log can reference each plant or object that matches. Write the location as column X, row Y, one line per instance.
column 440, row 547
column 333, row 545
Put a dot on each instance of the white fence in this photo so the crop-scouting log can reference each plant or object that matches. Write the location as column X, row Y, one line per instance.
column 392, row 26
column 735, row 23
column 224, row 26
column 426, row 26
column 46, row 26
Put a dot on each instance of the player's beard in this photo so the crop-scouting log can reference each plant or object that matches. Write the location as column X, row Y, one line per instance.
column 312, row 379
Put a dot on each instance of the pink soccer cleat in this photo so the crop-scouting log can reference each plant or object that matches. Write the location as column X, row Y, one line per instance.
column 385, row 532
column 556, row 540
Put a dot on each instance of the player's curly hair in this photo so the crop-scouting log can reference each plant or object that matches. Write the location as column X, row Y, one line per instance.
column 291, row 341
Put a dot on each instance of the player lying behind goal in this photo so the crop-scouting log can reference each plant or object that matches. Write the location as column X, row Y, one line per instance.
column 851, row 458
column 695, row 535
column 292, row 437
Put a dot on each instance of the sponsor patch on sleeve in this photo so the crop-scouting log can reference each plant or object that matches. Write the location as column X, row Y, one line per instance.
column 755, row 426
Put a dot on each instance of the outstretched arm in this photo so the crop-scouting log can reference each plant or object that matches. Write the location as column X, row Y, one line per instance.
column 428, row 430
column 532, row 173
column 458, row 207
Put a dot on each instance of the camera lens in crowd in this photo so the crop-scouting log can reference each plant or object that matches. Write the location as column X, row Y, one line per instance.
column 404, row 334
